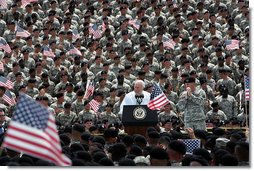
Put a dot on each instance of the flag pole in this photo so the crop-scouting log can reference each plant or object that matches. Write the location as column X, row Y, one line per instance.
column 246, row 114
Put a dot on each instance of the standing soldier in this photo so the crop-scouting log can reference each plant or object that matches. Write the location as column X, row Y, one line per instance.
column 191, row 102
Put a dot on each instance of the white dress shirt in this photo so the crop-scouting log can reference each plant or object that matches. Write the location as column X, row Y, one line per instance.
column 130, row 99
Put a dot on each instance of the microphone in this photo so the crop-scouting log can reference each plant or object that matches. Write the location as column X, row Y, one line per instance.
column 139, row 98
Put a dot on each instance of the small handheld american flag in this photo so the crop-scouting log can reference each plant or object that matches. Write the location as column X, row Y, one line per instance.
column 158, row 98
column 232, row 44
column 168, row 43
column 94, row 105
column 20, row 32
column 4, row 45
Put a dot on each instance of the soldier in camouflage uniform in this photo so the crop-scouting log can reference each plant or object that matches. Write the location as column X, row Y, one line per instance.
column 227, row 102
column 67, row 117
column 167, row 114
column 31, row 90
column 191, row 102
column 108, row 115
column 78, row 104
column 87, row 113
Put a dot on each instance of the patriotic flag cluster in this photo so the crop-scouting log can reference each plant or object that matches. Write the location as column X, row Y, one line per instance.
column 94, row 30
column 33, row 131
column 20, row 32
column 48, row 52
column 191, row 144
column 6, row 83
column 135, row 23
column 4, row 45
column 158, row 98
column 89, row 89
column 94, row 105
column 232, row 44
column 168, row 43
column 247, row 87
column 74, row 51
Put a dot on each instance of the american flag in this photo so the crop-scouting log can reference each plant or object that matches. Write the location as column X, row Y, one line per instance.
column 247, row 87
column 25, row 2
column 75, row 33
column 1, row 66
column 191, row 144
column 103, row 26
column 74, row 51
column 158, row 98
column 33, row 131
column 135, row 23
column 232, row 44
column 7, row 97
column 21, row 32
column 6, row 83
column 94, row 105
column 48, row 52
column 93, row 29
column 4, row 45
column 3, row 4
column 168, row 43
column 89, row 89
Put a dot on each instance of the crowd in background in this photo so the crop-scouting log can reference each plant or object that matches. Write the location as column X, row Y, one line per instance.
column 114, row 53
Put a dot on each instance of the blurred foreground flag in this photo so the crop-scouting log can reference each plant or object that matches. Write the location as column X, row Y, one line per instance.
column 32, row 130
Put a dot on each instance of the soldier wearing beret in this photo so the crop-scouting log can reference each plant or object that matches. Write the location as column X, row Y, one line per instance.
column 192, row 103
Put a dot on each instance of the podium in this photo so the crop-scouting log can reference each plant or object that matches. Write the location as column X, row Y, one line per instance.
column 137, row 118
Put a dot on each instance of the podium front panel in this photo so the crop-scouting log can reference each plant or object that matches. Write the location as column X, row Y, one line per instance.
column 139, row 115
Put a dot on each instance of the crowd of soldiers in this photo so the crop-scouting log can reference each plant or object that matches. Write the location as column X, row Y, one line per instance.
column 123, row 54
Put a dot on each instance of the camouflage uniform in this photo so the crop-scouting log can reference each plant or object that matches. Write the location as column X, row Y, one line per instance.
column 112, row 118
column 87, row 114
column 228, row 105
column 163, row 116
column 66, row 119
column 77, row 106
column 211, row 115
column 193, row 108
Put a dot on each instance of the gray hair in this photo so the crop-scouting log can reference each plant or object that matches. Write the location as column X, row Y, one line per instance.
column 140, row 82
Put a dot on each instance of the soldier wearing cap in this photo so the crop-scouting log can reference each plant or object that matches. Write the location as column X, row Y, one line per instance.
column 109, row 115
column 116, row 108
column 191, row 103
column 4, row 121
column 167, row 113
column 227, row 102
column 78, row 103
column 121, row 84
column 10, row 33
column 66, row 117
column 215, row 115
column 112, row 98
column 227, row 81
column 31, row 87
column 87, row 113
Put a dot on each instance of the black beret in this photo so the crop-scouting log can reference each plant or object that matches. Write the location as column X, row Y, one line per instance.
column 215, row 104
column 110, row 133
column 189, row 80
column 32, row 80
